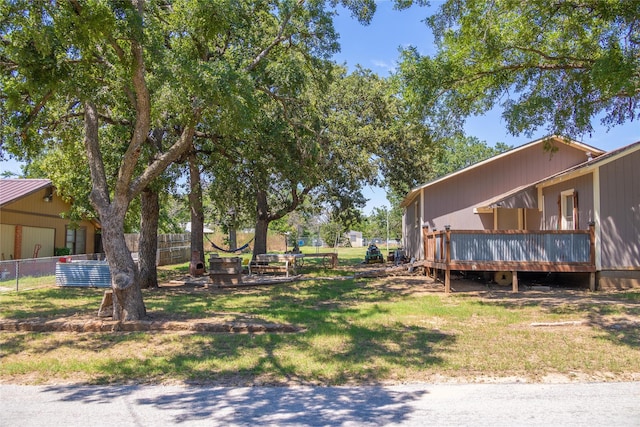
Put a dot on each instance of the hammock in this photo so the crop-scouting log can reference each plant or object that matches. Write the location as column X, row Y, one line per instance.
column 230, row 251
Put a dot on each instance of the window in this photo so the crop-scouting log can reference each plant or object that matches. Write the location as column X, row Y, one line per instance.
column 77, row 240
column 416, row 213
column 568, row 210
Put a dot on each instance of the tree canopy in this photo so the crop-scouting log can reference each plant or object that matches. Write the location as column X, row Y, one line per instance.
column 553, row 64
column 108, row 73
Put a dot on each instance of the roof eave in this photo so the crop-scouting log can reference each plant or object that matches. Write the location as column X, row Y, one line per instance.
column 595, row 152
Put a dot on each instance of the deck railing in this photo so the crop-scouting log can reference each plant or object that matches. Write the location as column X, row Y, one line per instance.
column 510, row 250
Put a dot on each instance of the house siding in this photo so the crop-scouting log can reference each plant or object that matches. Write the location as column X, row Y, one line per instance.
column 527, row 198
column 451, row 202
column 32, row 212
column 413, row 230
column 620, row 212
column 583, row 185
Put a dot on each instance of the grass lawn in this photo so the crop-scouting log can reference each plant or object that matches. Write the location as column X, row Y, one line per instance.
column 388, row 330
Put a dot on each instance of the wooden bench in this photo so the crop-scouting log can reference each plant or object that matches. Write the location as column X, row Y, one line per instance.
column 275, row 263
column 225, row 271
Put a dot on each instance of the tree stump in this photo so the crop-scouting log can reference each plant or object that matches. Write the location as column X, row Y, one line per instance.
column 106, row 306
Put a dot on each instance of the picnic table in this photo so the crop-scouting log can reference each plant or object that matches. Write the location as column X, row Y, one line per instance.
column 276, row 263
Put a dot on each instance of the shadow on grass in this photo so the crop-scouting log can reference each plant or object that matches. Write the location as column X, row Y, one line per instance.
column 616, row 314
column 332, row 353
column 350, row 337
column 51, row 302
column 257, row 405
column 347, row 340
column 14, row 344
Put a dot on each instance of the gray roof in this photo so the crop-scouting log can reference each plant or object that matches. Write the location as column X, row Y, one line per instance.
column 14, row 189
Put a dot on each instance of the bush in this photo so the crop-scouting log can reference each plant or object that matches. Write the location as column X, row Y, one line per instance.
column 61, row 251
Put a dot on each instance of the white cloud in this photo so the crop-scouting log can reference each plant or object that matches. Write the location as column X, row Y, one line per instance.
column 384, row 64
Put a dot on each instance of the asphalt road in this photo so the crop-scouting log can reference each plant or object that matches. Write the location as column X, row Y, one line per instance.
column 514, row 404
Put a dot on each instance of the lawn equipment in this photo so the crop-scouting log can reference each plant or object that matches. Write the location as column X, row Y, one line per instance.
column 373, row 255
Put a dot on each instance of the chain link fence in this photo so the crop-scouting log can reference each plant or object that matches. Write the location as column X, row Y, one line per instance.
column 23, row 274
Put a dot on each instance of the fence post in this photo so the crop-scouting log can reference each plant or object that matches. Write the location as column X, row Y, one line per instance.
column 425, row 244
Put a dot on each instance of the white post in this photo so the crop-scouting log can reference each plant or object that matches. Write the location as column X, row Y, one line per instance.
column 387, row 232
column 17, row 275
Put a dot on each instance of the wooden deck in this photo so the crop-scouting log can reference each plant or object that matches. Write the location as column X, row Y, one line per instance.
column 570, row 251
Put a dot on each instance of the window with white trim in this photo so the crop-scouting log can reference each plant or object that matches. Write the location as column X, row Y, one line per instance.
column 568, row 210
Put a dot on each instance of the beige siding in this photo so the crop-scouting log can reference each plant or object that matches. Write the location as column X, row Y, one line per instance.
column 33, row 211
column 7, row 231
column 620, row 212
column 37, row 242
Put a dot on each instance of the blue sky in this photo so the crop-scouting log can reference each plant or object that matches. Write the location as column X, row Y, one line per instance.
column 376, row 47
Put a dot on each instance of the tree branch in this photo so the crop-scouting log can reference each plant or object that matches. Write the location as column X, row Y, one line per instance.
column 279, row 38
column 143, row 117
column 576, row 61
column 34, row 113
column 160, row 164
column 99, row 191
column 296, row 200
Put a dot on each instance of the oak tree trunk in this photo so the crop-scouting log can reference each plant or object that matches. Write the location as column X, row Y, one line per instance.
column 233, row 238
column 262, row 224
column 260, row 242
column 127, row 296
column 148, row 242
column 197, row 211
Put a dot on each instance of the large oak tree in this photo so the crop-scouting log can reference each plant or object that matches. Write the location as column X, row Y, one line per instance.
column 555, row 64
column 110, row 71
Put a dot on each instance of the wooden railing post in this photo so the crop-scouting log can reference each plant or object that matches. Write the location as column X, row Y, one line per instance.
column 592, row 255
column 435, row 241
column 447, row 259
column 425, row 242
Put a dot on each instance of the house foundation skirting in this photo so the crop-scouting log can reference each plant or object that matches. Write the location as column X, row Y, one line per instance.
column 619, row 279
column 432, row 268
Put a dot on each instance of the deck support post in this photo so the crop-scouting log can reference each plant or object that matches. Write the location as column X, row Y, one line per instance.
column 514, row 281
column 447, row 258
column 592, row 255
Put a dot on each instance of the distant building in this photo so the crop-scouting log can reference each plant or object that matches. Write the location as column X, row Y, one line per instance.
column 31, row 225
column 355, row 237
column 205, row 229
